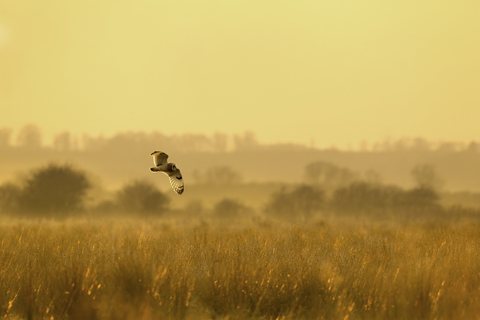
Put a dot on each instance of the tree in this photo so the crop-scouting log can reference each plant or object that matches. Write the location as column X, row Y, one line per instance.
column 219, row 175
column 300, row 203
column 63, row 141
column 426, row 177
column 5, row 135
column 372, row 176
column 472, row 147
column 230, row 209
column 366, row 198
column 328, row 175
column 30, row 136
column 246, row 142
column 142, row 197
column 220, row 142
column 362, row 198
column 54, row 190
column 420, row 199
column 421, row 145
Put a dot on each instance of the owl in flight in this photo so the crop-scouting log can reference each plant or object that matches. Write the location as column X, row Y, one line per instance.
column 170, row 169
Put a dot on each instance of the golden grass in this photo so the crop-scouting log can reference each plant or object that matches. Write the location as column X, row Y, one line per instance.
column 134, row 270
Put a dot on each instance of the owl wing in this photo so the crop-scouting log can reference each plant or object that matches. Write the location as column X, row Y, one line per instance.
column 176, row 180
column 159, row 158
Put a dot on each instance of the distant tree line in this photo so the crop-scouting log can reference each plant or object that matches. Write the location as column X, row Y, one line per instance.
column 62, row 191
column 360, row 199
column 30, row 136
column 217, row 175
column 354, row 195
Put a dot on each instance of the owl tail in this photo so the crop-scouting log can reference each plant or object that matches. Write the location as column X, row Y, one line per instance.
column 155, row 169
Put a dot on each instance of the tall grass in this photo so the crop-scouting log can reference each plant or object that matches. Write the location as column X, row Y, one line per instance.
column 134, row 270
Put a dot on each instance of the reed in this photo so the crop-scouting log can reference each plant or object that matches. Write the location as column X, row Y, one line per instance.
column 138, row 270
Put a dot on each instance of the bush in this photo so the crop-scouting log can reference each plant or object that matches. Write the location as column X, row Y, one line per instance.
column 363, row 197
column 371, row 199
column 53, row 191
column 426, row 177
column 230, row 209
column 299, row 204
column 421, row 197
column 142, row 197
column 421, row 200
column 328, row 175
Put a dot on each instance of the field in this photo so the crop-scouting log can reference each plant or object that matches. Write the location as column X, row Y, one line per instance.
column 160, row 270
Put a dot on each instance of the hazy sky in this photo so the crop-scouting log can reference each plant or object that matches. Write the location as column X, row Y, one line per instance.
column 334, row 71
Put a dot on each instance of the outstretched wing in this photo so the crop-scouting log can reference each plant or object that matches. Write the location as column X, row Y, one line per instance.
column 176, row 180
column 159, row 158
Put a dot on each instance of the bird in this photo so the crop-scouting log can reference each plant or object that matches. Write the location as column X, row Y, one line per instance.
column 170, row 169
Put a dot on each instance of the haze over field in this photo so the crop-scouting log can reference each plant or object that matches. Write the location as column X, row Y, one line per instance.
column 321, row 72
column 330, row 152
column 259, row 90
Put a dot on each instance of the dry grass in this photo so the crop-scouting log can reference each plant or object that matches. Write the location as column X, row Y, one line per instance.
column 133, row 270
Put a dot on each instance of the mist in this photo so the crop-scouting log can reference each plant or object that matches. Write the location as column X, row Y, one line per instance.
column 243, row 176
column 330, row 153
column 335, row 73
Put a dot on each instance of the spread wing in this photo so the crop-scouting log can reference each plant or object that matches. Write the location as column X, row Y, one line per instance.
column 159, row 158
column 176, row 180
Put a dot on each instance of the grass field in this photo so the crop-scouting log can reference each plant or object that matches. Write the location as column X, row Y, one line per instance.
column 155, row 270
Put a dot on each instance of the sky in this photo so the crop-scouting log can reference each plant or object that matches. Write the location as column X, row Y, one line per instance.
column 332, row 73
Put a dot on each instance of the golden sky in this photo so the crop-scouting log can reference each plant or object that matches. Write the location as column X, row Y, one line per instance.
column 333, row 71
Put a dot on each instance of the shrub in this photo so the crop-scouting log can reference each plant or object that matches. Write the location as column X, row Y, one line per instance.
column 300, row 203
column 230, row 209
column 421, row 200
column 142, row 197
column 328, row 175
column 426, row 177
column 54, row 190
column 363, row 197
column 371, row 199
